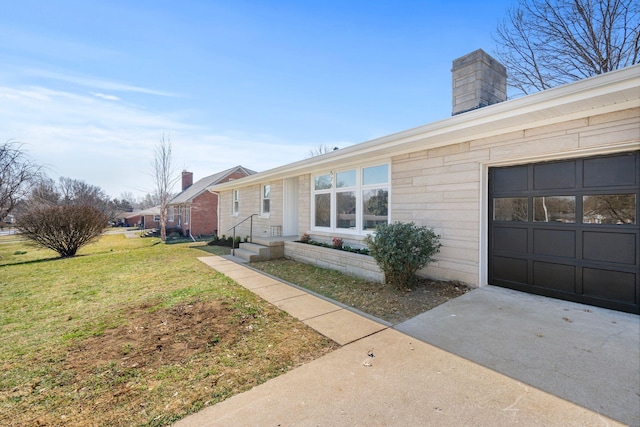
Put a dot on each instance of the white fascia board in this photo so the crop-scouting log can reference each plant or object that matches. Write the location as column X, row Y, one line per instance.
column 614, row 91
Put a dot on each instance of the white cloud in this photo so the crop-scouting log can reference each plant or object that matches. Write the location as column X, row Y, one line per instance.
column 89, row 137
column 95, row 83
column 104, row 96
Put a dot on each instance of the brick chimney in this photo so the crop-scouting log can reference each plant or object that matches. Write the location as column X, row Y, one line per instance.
column 187, row 180
column 478, row 81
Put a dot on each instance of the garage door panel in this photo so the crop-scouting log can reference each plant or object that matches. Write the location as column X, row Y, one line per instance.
column 610, row 285
column 560, row 243
column 609, row 247
column 510, row 179
column 510, row 239
column 613, row 171
column 558, row 175
column 558, row 277
column 510, row 269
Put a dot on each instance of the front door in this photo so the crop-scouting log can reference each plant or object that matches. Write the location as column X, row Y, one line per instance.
column 290, row 207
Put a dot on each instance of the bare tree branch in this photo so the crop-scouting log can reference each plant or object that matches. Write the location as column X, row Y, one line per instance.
column 17, row 174
column 546, row 43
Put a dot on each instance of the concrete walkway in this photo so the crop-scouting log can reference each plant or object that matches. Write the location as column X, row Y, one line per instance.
column 379, row 377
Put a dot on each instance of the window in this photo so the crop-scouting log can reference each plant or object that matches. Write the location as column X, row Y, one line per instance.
column 510, row 209
column 156, row 218
column 554, row 209
column 170, row 214
column 375, row 196
column 609, row 209
column 236, row 203
column 266, row 199
column 354, row 200
column 187, row 214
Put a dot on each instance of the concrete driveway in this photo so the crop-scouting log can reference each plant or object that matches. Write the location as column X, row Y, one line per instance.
column 584, row 354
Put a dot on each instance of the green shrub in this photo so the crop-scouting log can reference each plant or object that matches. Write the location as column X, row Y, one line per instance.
column 401, row 249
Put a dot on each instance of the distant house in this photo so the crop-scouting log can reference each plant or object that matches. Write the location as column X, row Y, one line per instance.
column 540, row 193
column 145, row 219
column 194, row 211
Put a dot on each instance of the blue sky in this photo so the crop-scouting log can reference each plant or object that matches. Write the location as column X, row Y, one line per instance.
column 91, row 87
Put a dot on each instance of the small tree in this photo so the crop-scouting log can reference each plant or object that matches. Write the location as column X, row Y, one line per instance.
column 66, row 216
column 165, row 179
column 401, row 249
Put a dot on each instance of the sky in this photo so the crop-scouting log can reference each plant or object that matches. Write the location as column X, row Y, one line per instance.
column 91, row 88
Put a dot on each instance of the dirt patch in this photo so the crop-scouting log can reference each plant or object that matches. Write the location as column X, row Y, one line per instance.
column 153, row 337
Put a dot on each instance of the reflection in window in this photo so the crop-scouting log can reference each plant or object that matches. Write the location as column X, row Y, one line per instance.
column 323, row 210
column 609, row 209
column 510, row 209
column 554, row 209
column 346, row 179
column 375, row 207
column 346, row 209
column 323, row 182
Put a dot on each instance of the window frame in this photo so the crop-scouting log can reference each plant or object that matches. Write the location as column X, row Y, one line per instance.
column 358, row 190
column 235, row 202
column 263, row 199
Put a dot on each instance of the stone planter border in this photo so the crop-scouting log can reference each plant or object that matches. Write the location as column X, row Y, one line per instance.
column 358, row 265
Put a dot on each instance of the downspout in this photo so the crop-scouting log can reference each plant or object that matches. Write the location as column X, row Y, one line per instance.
column 217, row 209
column 191, row 224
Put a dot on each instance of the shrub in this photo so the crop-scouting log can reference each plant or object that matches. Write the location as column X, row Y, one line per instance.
column 401, row 249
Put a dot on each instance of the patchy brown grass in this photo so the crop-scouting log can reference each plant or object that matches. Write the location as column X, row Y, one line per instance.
column 133, row 333
column 383, row 301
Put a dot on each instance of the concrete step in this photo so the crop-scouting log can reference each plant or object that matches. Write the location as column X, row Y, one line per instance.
column 247, row 255
column 263, row 252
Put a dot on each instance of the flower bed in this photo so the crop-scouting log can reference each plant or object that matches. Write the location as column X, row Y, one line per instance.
column 329, row 256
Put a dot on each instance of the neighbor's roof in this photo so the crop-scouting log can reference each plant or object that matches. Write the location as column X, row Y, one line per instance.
column 613, row 91
column 201, row 185
column 150, row 211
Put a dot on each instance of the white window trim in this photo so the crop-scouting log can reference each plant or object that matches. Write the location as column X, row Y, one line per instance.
column 358, row 189
column 262, row 199
column 235, row 197
column 171, row 214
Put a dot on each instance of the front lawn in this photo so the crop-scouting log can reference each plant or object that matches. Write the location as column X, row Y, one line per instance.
column 132, row 332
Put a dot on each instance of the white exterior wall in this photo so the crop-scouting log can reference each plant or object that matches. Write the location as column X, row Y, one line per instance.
column 446, row 188
column 250, row 200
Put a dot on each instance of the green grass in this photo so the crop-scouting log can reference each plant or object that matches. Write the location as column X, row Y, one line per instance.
column 59, row 317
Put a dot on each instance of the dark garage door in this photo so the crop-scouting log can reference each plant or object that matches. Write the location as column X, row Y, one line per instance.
column 568, row 229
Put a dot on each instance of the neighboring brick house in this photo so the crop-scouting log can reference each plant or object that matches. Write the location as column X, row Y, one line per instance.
column 145, row 219
column 194, row 212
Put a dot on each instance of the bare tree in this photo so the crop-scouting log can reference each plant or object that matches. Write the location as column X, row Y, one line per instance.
column 546, row 43
column 322, row 149
column 17, row 174
column 165, row 179
column 66, row 216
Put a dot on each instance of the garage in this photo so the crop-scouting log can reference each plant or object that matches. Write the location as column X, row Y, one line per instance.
column 568, row 229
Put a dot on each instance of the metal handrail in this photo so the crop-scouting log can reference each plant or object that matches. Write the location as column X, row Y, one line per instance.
column 233, row 244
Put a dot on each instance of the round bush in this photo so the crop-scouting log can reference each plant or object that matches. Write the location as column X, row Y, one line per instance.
column 401, row 249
